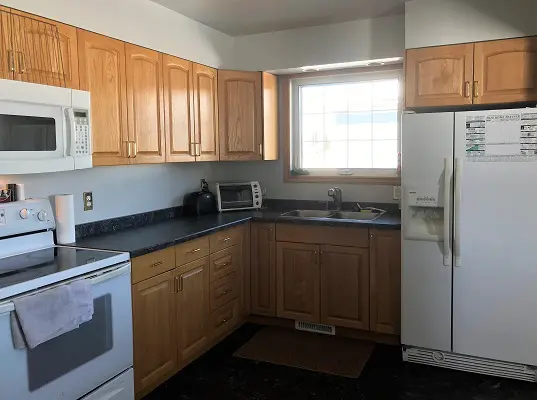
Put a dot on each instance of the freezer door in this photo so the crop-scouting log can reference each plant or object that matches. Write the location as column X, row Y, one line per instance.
column 494, row 287
column 427, row 143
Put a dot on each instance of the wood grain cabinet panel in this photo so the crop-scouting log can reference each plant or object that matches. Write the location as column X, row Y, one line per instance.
column 241, row 115
column 102, row 73
column 385, row 281
column 206, row 113
column 506, row 71
column 154, row 321
column 263, row 269
column 152, row 264
column 179, row 109
column 271, row 148
column 345, row 286
column 297, row 281
column 48, row 56
column 223, row 320
column 439, row 76
column 6, row 45
column 145, row 102
column 192, row 309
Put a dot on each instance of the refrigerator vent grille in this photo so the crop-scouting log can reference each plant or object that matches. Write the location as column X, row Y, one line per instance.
column 317, row 328
column 470, row 364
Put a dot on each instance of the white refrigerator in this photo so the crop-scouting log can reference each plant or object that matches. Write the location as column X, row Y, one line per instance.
column 469, row 222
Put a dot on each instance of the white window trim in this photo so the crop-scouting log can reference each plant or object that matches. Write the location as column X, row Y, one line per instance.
column 341, row 78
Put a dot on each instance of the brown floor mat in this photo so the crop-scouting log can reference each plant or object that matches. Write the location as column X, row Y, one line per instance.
column 311, row 351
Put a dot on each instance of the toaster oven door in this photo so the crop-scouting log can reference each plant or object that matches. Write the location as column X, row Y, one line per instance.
column 236, row 197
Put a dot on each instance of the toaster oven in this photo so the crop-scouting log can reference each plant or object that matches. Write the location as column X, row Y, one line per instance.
column 239, row 196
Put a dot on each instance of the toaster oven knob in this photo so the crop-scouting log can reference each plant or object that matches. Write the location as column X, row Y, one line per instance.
column 24, row 213
column 42, row 216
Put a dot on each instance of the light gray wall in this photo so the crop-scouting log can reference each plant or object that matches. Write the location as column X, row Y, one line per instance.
column 344, row 42
column 441, row 22
column 140, row 22
column 118, row 191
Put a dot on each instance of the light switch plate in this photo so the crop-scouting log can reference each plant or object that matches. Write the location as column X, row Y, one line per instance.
column 88, row 201
column 397, row 192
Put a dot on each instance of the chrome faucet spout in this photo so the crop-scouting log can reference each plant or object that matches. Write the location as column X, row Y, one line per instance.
column 337, row 195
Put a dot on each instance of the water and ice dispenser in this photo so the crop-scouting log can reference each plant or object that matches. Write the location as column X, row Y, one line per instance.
column 423, row 216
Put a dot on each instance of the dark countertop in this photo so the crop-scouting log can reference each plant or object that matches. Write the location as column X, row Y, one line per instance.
column 158, row 236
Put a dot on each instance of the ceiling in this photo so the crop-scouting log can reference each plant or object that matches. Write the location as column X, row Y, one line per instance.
column 244, row 17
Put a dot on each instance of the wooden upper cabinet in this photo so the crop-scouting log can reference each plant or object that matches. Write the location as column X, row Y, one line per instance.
column 46, row 51
column 192, row 308
column 506, row 71
column 385, row 281
column 154, row 321
column 263, row 269
column 179, row 109
column 439, row 76
column 345, row 286
column 102, row 73
column 206, row 113
column 270, row 117
column 145, row 102
column 6, row 62
column 298, row 281
column 241, row 115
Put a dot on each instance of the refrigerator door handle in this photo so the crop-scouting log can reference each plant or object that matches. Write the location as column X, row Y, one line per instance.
column 448, row 172
column 457, row 212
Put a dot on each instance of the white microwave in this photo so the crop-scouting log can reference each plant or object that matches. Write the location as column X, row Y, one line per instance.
column 43, row 128
column 239, row 196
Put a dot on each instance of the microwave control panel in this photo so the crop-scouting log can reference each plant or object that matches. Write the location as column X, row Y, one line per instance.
column 82, row 134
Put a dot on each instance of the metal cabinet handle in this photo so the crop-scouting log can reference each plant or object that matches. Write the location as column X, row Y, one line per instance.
column 194, row 251
column 225, row 240
column 174, row 288
column 223, row 321
column 135, row 149
column 157, row 264
column 128, row 149
column 225, row 264
column 10, row 61
column 476, row 89
column 467, row 89
column 22, row 68
column 198, row 149
column 192, row 149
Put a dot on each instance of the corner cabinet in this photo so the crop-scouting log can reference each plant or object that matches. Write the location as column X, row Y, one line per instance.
column 263, row 269
column 145, row 105
column 245, row 110
column 102, row 73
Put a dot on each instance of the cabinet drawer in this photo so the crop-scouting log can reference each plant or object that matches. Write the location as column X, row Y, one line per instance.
column 224, row 319
column 152, row 264
column 224, row 239
column 352, row 237
column 224, row 263
column 192, row 250
column 223, row 291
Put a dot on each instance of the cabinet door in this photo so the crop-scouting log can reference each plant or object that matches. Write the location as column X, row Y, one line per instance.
column 506, row 71
column 439, row 76
column 385, row 282
column 241, row 121
column 102, row 73
column 179, row 109
column 297, row 281
column 192, row 309
column 145, row 105
column 270, row 117
column 345, row 286
column 263, row 269
column 7, row 66
column 57, row 47
column 155, row 345
column 206, row 113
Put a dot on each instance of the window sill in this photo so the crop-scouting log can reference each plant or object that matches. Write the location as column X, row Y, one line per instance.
column 368, row 180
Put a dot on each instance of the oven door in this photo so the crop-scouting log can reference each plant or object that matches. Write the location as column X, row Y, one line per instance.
column 33, row 138
column 235, row 197
column 77, row 362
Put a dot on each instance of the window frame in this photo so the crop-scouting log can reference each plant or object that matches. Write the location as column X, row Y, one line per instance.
column 291, row 118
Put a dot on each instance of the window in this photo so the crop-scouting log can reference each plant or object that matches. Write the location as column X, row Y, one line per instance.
column 346, row 126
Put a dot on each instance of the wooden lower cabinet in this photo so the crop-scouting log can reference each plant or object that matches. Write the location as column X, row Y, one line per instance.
column 297, row 281
column 385, row 281
column 263, row 269
column 154, row 321
column 345, row 286
column 192, row 308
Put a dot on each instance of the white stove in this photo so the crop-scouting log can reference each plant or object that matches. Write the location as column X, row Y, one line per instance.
column 93, row 361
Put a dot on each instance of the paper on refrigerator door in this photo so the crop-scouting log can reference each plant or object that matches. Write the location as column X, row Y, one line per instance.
column 506, row 136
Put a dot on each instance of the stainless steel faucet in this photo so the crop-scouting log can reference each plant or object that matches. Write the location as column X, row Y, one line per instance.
column 336, row 194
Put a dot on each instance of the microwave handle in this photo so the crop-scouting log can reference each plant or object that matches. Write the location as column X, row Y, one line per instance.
column 72, row 127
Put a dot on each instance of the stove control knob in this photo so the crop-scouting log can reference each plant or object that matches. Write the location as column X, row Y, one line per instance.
column 42, row 216
column 24, row 213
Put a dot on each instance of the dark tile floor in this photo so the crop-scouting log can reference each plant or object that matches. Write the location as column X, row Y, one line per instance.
column 220, row 376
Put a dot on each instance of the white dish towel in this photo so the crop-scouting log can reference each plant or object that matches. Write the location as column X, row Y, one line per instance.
column 49, row 314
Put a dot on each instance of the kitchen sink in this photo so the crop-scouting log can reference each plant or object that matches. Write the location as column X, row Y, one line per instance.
column 308, row 214
column 354, row 215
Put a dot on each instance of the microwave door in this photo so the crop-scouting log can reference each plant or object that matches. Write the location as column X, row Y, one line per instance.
column 236, row 197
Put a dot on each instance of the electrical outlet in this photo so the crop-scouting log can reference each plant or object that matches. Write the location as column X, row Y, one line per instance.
column 397, row 192
column 88, row 201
